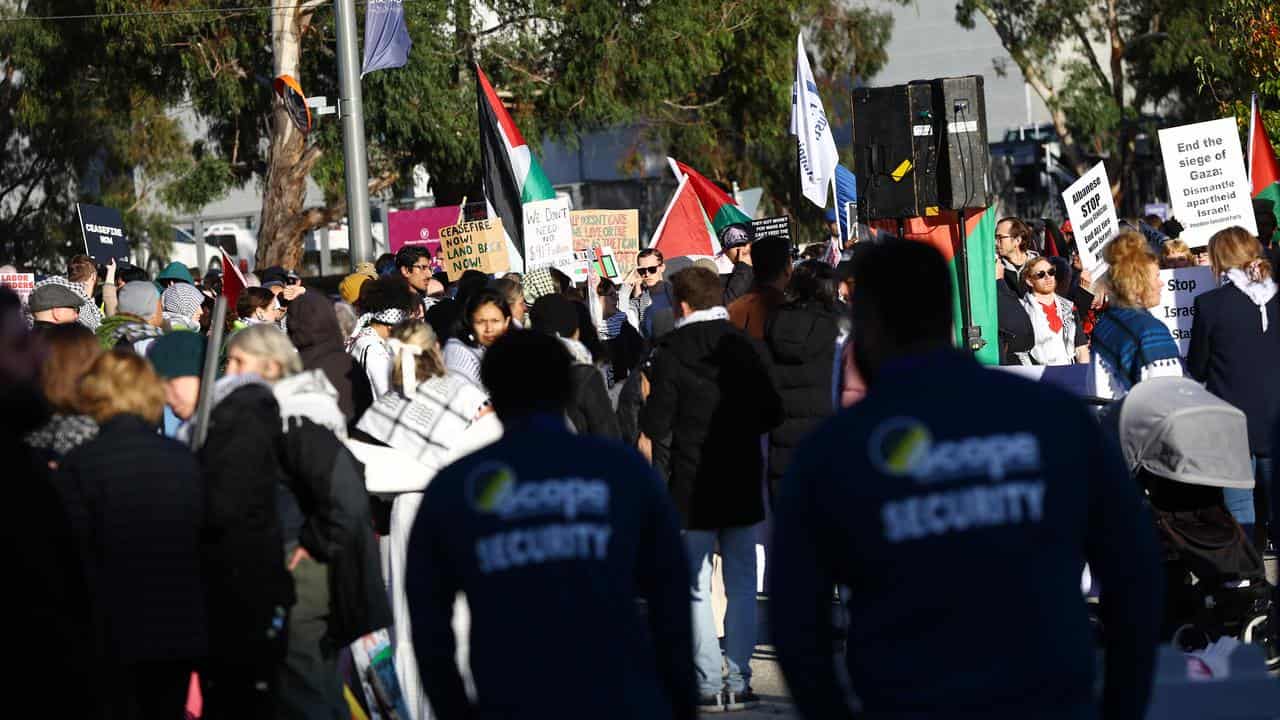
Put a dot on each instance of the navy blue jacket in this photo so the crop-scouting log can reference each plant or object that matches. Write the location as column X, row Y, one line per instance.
column 553, row 537
column 961, row 529
column 1236, row 360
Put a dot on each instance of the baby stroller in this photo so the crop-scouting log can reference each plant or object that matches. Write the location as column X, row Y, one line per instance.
column 1184, row 445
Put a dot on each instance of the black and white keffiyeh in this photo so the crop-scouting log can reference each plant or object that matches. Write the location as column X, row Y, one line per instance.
column 426, row 424
column 181, row 302
column 90, row 316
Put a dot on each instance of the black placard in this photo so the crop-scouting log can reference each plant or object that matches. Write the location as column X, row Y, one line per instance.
column 103, row 232
column 771, row 227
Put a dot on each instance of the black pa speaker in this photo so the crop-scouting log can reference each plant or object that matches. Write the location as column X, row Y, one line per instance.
column 920, row 147
column 895, row 151
column 965, row 160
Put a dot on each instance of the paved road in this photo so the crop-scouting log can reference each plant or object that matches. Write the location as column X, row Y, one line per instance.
column 766, row 680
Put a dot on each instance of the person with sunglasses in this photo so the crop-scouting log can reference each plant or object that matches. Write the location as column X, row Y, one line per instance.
column 646, row 292
column 1059, row 334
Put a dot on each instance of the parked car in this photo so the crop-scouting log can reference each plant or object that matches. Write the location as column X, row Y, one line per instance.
column 238, row 242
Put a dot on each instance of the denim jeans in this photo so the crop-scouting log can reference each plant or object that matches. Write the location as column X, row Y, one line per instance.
column 1240, row 501
column 738, row 557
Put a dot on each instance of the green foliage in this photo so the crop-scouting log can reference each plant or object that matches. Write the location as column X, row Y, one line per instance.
column 708, row 82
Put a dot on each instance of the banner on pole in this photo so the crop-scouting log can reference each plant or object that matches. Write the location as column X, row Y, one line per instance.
column 548, row 234
column 1093, row 217
column 1179, row 288
column 386, row 38
column 476, row 245
column 617, row 229
column 1208, row 189
column 103, row 231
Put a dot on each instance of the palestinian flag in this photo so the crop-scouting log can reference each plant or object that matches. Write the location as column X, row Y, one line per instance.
column 716, row 203
column 511, row 174
column 1264, row 171
column 683, row 230
column 232, row 281
column 980, row 241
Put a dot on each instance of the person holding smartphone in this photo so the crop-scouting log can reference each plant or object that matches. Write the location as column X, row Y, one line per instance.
column 647, row 293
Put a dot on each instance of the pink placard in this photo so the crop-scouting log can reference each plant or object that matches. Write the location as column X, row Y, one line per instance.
column 421, row 227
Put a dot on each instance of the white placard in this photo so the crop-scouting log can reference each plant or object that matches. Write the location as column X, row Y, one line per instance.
column 1208, row 189
column 1093, row 217
column 20, row 283
column 1179, row 289
column 548, row 234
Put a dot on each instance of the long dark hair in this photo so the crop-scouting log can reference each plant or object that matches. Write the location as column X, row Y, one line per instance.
column 477, row 300
column 814, row 281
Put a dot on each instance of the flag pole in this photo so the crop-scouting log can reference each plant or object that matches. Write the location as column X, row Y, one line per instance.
column 1253, row 117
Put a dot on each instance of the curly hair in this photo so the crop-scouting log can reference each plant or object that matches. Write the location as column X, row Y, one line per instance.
column 1132, row 263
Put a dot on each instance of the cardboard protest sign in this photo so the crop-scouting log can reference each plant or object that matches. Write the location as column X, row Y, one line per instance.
column 420, row 227
column 548, row 236
column 771, row 227
column 20, row 283
column 476, row 245
column 1208, row 188
column 103, row 232
column 617, row 229
column 1179, row 289
column 1093, row 217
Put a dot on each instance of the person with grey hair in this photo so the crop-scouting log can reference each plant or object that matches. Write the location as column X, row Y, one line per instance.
column 138, row 320
column 325, row 516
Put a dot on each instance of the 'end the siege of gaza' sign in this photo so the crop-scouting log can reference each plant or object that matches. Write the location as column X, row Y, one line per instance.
column 1093, row 217
column 1179, row 289
column 1208, row 188
column 477, row 245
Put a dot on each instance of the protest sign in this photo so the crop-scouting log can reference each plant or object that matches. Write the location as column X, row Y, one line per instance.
column 1178, row 291
column 579, row 267
column 548, row 236
column 20, row 283
column 420, row 227
column 476, row 245
column 1208, row 189
column 103, row 232
column 617, row 229
column 1093, row 217
column 771, row 227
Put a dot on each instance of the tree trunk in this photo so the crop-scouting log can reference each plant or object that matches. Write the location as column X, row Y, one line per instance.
column 289, row 159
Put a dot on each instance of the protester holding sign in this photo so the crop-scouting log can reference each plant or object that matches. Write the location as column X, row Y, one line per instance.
column 1059, row 334
column 1129, row 343
column 1235, row 350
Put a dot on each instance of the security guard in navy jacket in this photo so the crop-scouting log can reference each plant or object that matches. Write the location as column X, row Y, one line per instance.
column 552, row 537
column 961, row 529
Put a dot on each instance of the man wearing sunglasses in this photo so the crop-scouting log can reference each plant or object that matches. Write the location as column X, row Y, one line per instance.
column 647, row 293
column 1059, row 334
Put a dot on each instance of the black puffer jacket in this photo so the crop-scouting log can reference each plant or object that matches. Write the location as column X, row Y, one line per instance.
column 589, row 408
column 802, row 344
column 136, row 501
column 712, row 394
column 313, row 329
column 244, row 562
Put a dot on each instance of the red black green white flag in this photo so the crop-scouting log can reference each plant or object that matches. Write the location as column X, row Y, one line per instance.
column 721, row 210
column 1264, row 170
column 509, row 171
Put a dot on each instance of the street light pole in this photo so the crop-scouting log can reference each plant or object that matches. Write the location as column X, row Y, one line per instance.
column 354, row 154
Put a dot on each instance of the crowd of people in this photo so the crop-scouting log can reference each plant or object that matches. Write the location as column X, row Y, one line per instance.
column 555, row 451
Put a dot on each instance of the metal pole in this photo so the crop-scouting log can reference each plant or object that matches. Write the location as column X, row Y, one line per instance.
column 325, row 259
column 354, row 155
column 209, row 374
column 197, row 230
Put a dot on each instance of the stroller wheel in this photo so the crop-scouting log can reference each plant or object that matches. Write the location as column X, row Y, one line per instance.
column 1259, row 631
column 1189, row 637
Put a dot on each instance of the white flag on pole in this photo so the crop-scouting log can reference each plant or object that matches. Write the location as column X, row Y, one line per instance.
column 818, row 156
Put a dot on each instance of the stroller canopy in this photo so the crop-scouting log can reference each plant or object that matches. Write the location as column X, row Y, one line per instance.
column 1177, row 430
